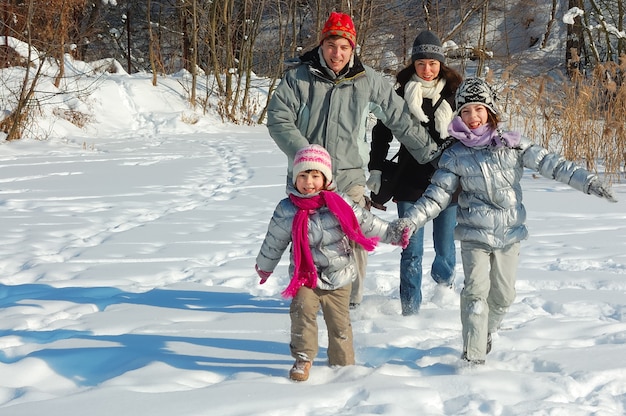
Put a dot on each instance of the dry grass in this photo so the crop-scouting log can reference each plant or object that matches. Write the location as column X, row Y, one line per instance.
column 189, row 117
column 583, row 118
column 14, row 124
column 77, row 118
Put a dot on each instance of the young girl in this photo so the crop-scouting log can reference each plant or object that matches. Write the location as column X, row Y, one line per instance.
column 320, row 224
column 487, row 165
column 428, row 86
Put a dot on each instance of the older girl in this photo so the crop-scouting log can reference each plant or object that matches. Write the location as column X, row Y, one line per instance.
column 487, row 165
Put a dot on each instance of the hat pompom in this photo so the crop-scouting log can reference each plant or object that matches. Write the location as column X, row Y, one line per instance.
column 313, row 157
column 427, row 45
column 339, row 24
column 475, row 90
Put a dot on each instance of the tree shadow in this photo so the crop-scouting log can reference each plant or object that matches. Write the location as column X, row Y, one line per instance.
column 408, row 356
column 103, row 297
column 92, row 365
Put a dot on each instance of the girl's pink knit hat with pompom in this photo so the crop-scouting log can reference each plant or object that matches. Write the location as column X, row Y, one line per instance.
column 313, row 157
column 339, row 24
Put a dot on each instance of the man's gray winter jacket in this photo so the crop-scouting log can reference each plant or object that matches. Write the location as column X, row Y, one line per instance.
column 311, row 106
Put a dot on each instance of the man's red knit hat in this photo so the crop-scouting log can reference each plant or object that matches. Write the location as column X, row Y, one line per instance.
column 339, row 24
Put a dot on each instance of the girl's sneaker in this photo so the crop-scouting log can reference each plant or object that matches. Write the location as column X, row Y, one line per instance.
column 470, row 361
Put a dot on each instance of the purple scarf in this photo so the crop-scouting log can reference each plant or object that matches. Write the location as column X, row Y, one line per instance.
column 484, row 135
column 305, row 272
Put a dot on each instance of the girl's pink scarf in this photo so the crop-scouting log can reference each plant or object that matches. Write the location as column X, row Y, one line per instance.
column 483, row 136
column 305, row 272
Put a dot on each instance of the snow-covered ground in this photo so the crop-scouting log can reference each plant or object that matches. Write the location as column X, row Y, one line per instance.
column 127, row 285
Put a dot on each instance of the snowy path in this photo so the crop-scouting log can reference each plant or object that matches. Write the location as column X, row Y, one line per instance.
column 126, row 271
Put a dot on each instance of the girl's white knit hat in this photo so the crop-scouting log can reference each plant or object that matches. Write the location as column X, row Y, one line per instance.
column 313, row 157
column 475, row 90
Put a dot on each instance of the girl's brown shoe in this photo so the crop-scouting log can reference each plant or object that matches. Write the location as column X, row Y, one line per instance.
column 300, row 370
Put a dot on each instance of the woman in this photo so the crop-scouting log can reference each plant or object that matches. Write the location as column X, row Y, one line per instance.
column 428, row 86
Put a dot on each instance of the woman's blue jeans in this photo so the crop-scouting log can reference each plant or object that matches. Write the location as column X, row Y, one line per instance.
column 442, row 269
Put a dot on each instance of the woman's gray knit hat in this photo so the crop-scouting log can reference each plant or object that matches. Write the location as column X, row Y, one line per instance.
column 475, row 90
column 427, row 45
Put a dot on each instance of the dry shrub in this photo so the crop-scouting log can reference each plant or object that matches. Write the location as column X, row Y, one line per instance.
column 584, row 118
column 189, row 117
column 14, row 124
column 77, row 118
column 46, row 21
column 9, row 57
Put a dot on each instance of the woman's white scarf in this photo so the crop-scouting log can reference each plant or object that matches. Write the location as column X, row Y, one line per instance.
column 414, row 93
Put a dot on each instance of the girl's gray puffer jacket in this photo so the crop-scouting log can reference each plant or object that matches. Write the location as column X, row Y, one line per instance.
column 490, row 209
column 330, row 247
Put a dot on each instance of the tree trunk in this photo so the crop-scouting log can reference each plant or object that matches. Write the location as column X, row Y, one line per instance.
column 151, row 45
column 574, row 42
column 551, row 22
column 194, row 53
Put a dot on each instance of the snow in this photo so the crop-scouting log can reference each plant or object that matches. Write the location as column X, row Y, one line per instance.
column 571, row 14
column 128, row 284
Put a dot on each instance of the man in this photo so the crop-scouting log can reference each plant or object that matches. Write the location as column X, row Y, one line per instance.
column 325, row 100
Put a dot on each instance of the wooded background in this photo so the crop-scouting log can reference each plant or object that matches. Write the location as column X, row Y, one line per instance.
column 234, row 41
column 238, row 37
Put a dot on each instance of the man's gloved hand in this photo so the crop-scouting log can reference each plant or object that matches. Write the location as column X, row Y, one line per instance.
column 375, row 180
column 262, row 274
column 597, row 188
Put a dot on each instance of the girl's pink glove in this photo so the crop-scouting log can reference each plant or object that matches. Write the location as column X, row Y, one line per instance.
column 263, row 274
column 400, row 232
column 406, row 236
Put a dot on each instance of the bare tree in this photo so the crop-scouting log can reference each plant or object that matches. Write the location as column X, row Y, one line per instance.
column 15, row 123
column 189, row 18
column 550, row 24
column 153, row 46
